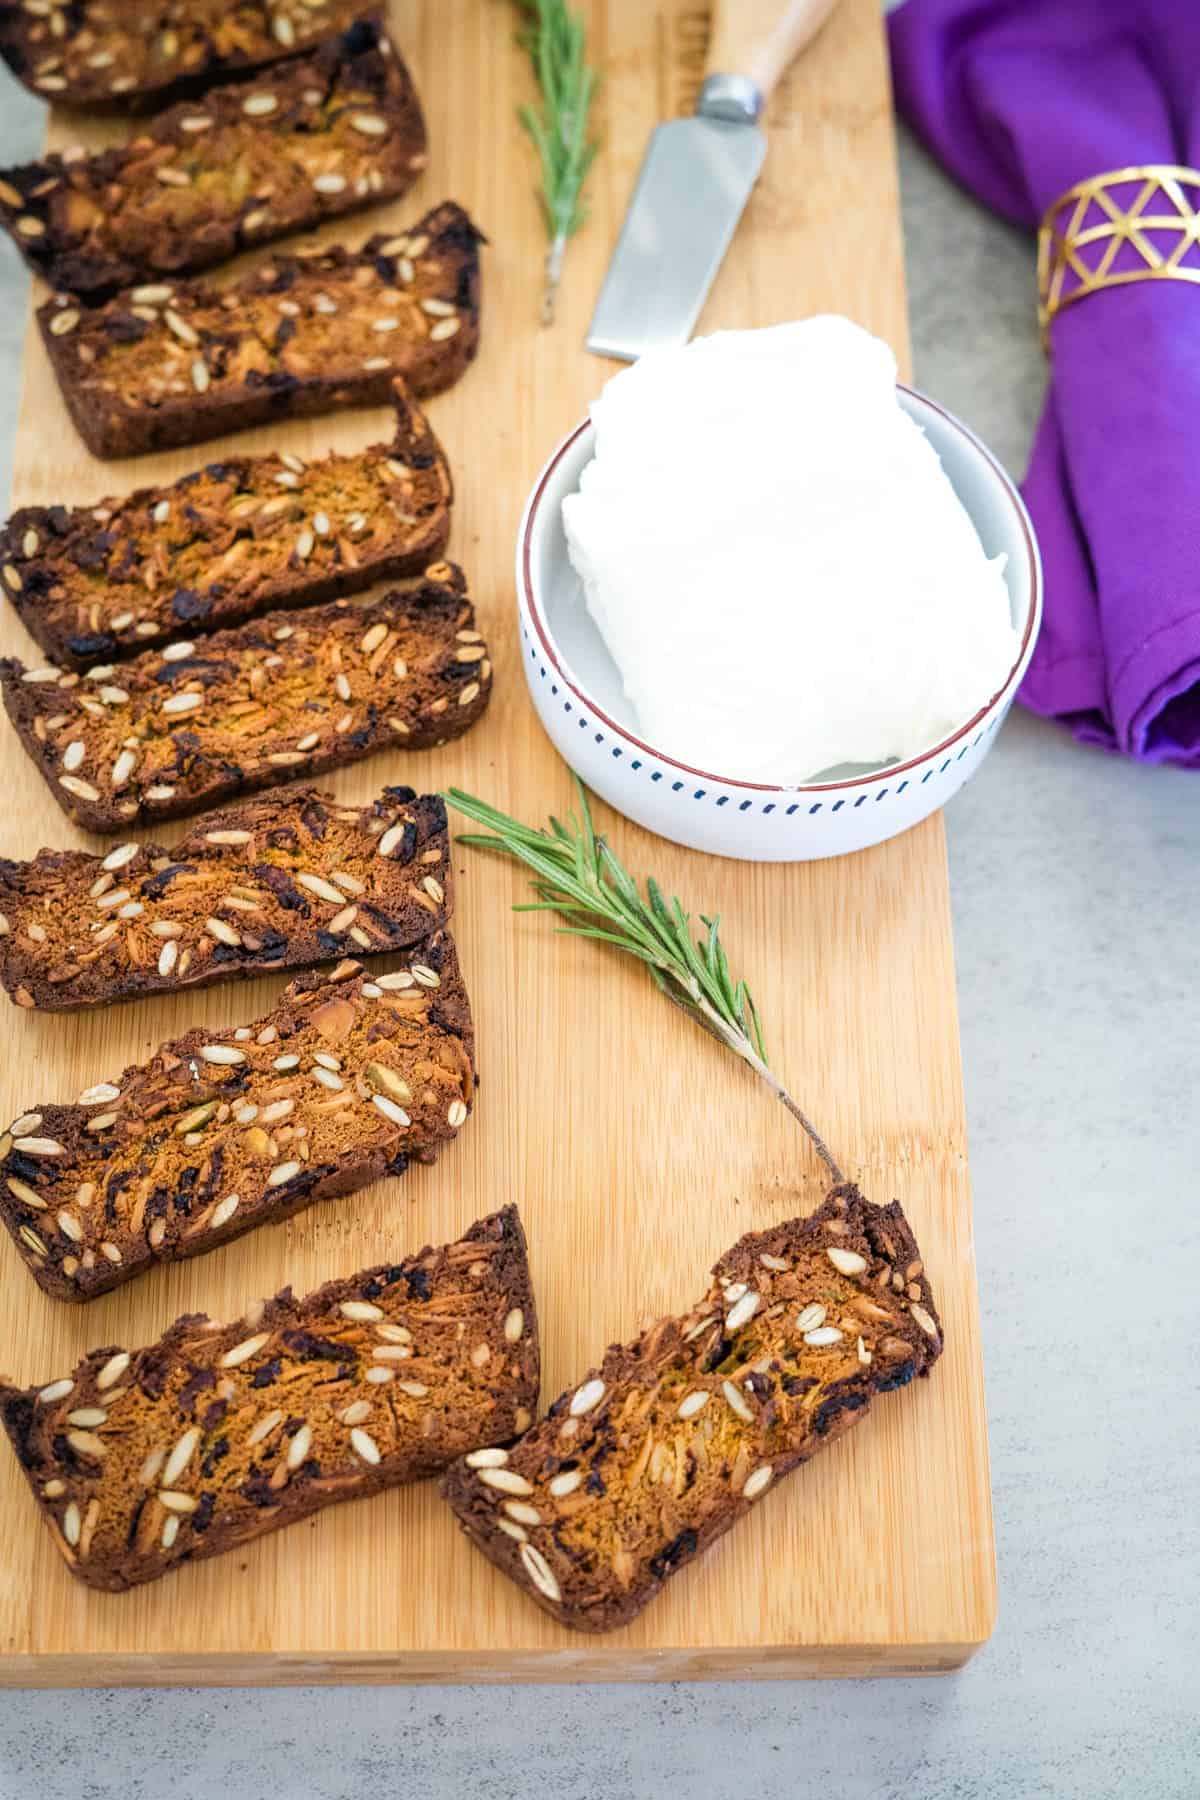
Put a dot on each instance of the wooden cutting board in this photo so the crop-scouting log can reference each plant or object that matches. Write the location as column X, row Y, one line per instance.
column 638, row 1150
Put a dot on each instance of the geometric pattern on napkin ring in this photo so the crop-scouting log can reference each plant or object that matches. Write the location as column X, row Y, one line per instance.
column 1136, row 224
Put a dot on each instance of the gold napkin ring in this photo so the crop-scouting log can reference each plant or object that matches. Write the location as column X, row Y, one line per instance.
column 1083, row 232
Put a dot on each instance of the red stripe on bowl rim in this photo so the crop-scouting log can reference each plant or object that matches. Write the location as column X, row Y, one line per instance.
column 808, row 787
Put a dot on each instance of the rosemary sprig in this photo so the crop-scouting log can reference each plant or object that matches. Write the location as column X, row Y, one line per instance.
column 579, row 876
column 556, row 40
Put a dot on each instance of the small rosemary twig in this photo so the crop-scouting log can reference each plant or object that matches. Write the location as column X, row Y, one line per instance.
column 557, row 44
column 578, row 876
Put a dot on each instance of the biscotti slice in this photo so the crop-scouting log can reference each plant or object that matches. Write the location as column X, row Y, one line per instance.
column 246, row 163
column 280, row 882
column 141, row 1460
column 346, row 1079
column 120, row 52
column 232, row 540
column 173, row 363
column 281, row 698
column 675, row 1436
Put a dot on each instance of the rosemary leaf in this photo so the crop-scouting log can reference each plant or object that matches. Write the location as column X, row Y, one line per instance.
column 556, row 41
column 579, row 876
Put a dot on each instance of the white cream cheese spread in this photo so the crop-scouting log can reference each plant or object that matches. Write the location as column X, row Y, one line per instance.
column 778, row 564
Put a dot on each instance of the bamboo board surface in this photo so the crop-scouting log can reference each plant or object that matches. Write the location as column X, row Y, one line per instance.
column 637, row 1150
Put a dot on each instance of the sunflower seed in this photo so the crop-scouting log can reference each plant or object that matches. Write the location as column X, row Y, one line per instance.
column 264, row 1428
column 540, row 1572
column 823, row 1336
column 222, row 1053
column 924, row 1321
column 756, row 1483
column 586, row 1398
column 113, row 1370
column 362, row 1310
column 299, row 1447
column 693, row 1403
column 57, row 1390
column 505, row 1481
column 170, row 1531
column 566, row 1483
column 83, row 790
column 180, row 1457
column 737, row 1401
column 72, row 1524
column 355, row 1413
column 176, row 1502
column 742, row 1312
column 364, row 1445
column 487, row 1459
column 224, row 1211
column 390, row 1110
column 282, row 1173
column 87, row 1444
column 242, row 1352
column 514, row 1325
column 38, row 1146
column 811, row 1317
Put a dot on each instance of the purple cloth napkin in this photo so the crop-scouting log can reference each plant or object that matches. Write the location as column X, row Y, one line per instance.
column 1020, row 99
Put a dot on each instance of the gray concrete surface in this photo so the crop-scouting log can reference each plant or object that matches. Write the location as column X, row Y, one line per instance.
column 1074, row 880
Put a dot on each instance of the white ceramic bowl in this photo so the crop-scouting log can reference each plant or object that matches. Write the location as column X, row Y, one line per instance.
column 577, row 690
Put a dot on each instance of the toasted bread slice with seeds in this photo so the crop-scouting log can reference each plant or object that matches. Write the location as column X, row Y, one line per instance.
column 226, row 543
column 277, row 883
column 110, row 53
column 281, row 698
column 675, row 1436
column 142, row 1460
column 313, row 140
column 346, row 1079
column 174, row 362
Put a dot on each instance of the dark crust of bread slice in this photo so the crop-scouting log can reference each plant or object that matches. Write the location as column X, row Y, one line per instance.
column 348, row 1078
column 656, row 1453
column 281, row 882
column 308, row 141
column 143, row 1460
column 172, row 363
column 123, row 53
column 232, row 540
column 282, row 698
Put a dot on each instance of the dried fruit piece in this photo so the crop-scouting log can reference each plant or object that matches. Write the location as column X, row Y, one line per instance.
column 223, row 1433
column 656, row 1454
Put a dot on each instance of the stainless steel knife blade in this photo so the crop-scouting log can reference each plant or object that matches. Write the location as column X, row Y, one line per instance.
column 695, row 179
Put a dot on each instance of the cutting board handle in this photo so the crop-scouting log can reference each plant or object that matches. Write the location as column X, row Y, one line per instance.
column 760, row 39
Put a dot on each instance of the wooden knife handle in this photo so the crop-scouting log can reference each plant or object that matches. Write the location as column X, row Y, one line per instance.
column 762, row 38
